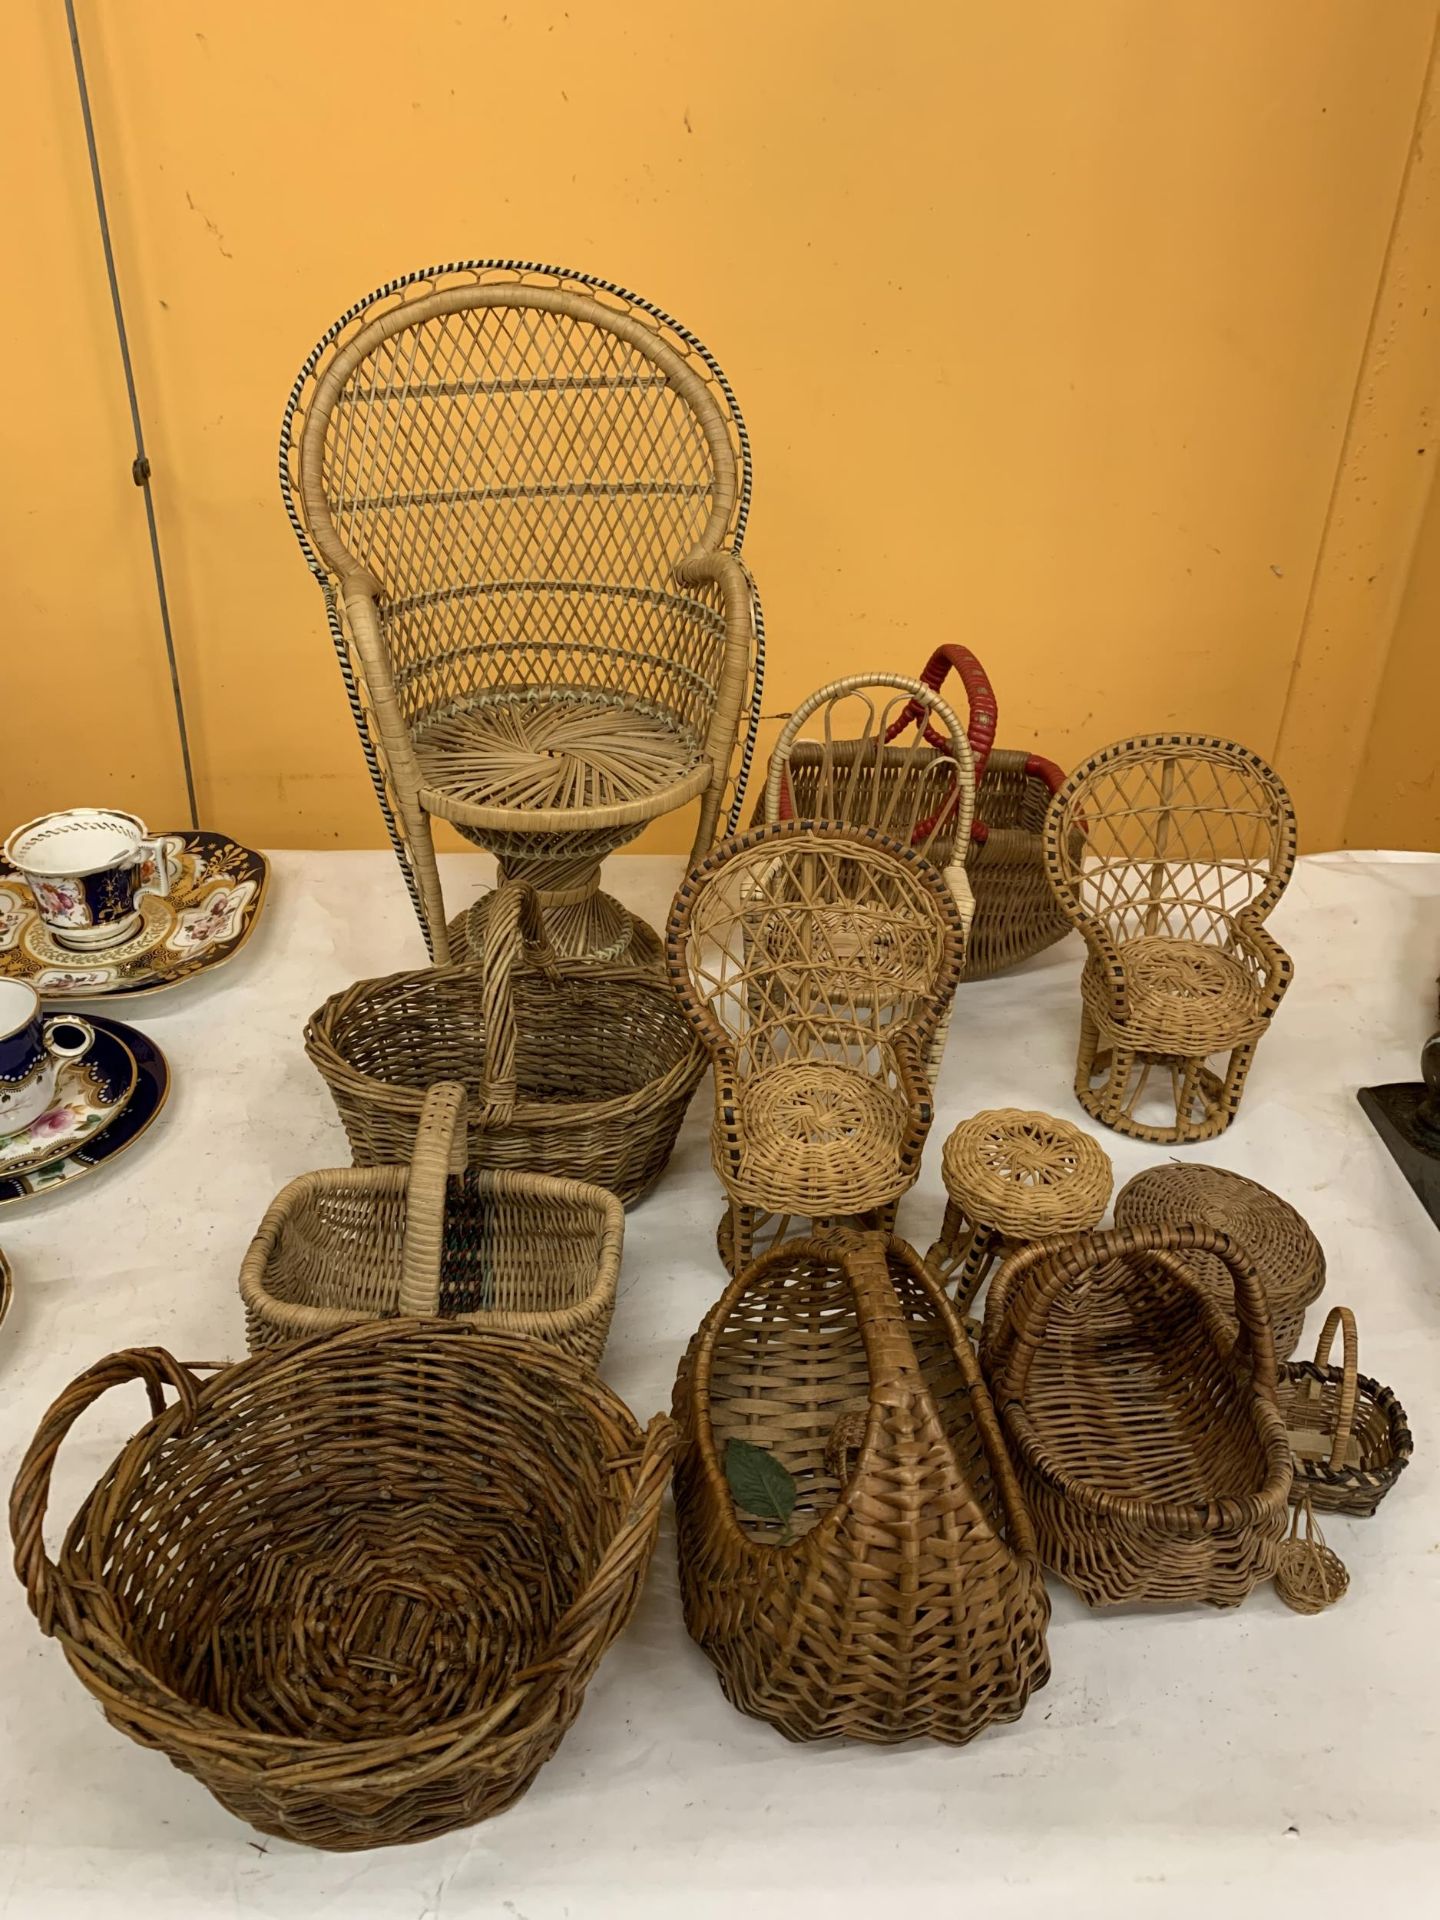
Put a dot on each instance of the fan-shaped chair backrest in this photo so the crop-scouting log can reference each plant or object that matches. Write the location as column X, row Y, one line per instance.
column 1171, row 834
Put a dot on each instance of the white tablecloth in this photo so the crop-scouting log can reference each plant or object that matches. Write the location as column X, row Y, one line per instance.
column 1175, row 1762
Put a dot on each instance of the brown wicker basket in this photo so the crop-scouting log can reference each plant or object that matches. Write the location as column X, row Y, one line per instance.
column 1285, row 1254
column 582, row 1072
column 1348, row 1434
column 6, row 1286
column 512, row 1252
column 1015, row 912
column 1147, row 1437
column 912, row 1601
column 357, row 1587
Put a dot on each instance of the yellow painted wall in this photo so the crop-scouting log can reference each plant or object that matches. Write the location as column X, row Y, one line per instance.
column 1047, row 319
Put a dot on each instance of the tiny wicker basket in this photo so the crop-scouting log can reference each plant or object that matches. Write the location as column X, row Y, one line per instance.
column 513, row 1252
column 357, row 1587
column 1146, row 1435
column 911, row 1601
column 1348, row 1434
column 578, row 1071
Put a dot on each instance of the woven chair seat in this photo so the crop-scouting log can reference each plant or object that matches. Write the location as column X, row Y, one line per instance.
column 819, row 1137
column 1180, row 995
column 515, row 756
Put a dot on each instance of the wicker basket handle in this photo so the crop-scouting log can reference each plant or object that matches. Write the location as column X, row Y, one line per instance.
column 514, row 923
column 624, row 1557
column 46, row 1588
column 439, row 1151
column 984, row 714
column 1344, row 1319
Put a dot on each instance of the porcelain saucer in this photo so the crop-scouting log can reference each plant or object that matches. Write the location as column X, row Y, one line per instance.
column 89, row 1094
column 147, row 1099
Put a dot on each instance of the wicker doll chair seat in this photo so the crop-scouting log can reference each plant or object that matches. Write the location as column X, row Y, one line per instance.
column 1179, row 996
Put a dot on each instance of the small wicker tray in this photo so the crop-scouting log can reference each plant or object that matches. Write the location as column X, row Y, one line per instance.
column 1348, row 1434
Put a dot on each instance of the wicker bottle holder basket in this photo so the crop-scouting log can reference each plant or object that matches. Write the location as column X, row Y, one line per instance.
column 1147, row 1437
column 512, row 1252
column 1348, row 1434
column 911, row 1601
column 582, row 1072
column 356, row 1587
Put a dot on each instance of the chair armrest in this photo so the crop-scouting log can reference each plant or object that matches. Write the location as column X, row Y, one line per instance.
column 1264, row 959
column 915, row 1085
column 726, row 571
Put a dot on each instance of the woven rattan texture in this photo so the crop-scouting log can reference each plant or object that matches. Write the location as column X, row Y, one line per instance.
column 1146, row 1437
column 1349, row 1435
column 1284, row 1252
column 513, row 1252
column 815, row 964
column 524, row 495
column 1167, row 852
column 910, row 1601
column 357, row 1586
column 7, row 1287
column 582, row 1072
column 1309, row 1577
column 1012, row 1176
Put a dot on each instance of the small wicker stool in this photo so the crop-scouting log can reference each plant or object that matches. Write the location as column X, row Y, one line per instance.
column 1284, row 1252
column 1012, row 1177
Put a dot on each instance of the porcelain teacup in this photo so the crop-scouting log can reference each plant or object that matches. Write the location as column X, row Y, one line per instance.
column 87, row 868
column 32, row 1046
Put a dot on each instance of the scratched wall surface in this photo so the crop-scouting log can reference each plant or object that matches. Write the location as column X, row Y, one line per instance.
column 1047, row 321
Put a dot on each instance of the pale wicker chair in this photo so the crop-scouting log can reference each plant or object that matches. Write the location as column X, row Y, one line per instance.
column 1167, row 852
column 815, row 963
column 524, row 491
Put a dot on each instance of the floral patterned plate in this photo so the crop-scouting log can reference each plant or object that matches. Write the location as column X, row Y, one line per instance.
column 89, row 1094
column 148, row 1097
column 208, row 916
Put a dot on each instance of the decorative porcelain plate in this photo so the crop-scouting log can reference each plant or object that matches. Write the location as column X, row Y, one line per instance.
column 209, row 915
column 147, row 1097
column 89, row 1094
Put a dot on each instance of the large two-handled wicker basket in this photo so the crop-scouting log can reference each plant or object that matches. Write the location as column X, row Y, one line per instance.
column 357, row 1587
column 902, row 1595
column 1145, row 1431
column 512, row 1252
column 1015, row 912
column 579, row 1071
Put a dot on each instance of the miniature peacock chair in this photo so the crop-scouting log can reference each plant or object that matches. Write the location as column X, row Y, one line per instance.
column 524, row 493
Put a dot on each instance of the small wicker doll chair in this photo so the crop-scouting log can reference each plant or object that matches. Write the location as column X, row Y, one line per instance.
column 1167, row 852
column 878, row 750
column 815, row 963
column 524, row 493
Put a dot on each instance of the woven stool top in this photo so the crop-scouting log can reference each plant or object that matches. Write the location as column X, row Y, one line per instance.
column 1028, row 1175
column 1282, row 1249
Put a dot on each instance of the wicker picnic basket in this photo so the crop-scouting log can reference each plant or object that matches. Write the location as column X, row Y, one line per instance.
column 356, row 1587
column 1015, row 912
column 580, row 1071
column 1146, row 1433
column 1285, row 1254
column 513, row 1252
column 1348, row 1434
column 902, row 1595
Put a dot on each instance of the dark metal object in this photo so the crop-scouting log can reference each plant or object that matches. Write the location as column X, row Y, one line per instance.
column 1406, row 1115
column 140, row 467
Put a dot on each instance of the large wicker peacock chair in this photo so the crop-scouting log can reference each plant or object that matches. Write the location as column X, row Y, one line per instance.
column 524, row 491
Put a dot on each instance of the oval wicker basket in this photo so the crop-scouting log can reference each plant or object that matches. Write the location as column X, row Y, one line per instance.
column 1146, row 1436
column 1348, row 1434
column 582, row 1072
column 356, row 1587
column 512, row 1252
column 1278, row 1243
column 1015, row 912
column 912, row 1601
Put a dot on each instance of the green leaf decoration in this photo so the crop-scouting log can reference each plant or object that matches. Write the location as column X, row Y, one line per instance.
column 758, row 1483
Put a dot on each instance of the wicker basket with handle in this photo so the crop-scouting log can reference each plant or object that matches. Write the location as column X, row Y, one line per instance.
column 515, row 1252
column 1349, row 1435
column 902, row 1595
column 582, row 1072
column 1146, row 1434
column 357, row 1587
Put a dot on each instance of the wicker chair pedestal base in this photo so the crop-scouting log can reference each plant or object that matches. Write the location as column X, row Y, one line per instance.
column 757, row 1232
column 1112, row 1082
column 582, row 922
